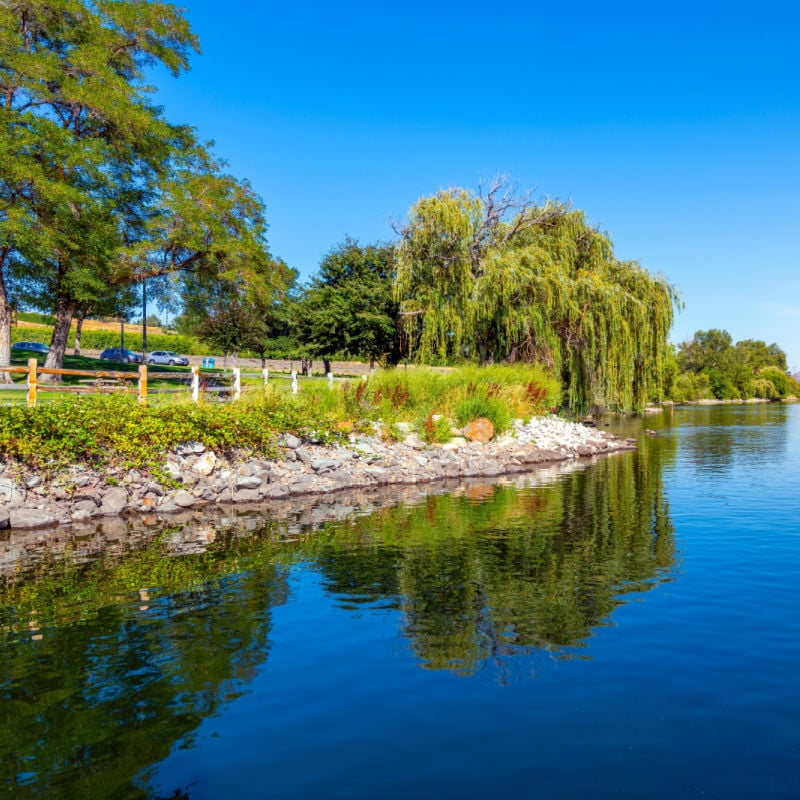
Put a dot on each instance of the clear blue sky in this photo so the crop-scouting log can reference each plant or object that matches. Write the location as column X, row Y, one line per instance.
column 674, row 125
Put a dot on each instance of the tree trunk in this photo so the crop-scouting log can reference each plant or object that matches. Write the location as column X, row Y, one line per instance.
column 58, row 343
column 5, row 331
column 78, row 328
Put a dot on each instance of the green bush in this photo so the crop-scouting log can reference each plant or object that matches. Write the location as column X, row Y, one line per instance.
column 691, row 386
column 780, row 380
column 492, row 408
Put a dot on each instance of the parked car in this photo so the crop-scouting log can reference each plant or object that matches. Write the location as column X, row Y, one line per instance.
column 121, row 354
column 167, row 357
column 33, row 347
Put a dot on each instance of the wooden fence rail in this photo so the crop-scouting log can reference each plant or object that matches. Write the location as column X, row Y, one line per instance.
column 106, row 381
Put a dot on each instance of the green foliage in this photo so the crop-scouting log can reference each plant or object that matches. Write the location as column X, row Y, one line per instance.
column 471, row 408
column 779, row 379
column 435, row 429
column 349, row 309
column 690, row 386
column 112, row 429
column 495, row 278
column 731, row 372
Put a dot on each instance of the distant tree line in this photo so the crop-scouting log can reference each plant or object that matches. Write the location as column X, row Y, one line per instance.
column 711, row 366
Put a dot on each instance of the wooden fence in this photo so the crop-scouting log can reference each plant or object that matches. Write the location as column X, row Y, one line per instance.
column 106, row 381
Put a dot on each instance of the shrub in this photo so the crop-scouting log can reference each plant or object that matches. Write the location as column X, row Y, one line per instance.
column 490, row 407
column 780, row 380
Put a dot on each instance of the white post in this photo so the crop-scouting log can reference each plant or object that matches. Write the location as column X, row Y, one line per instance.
column 265, row 375
column 363, row 377
column 294, row 381
column 195, row 384
column 330, row 380
column 237, row 383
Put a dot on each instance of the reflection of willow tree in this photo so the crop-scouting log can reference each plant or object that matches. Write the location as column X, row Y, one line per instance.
column 96, row 690
column 524, row 569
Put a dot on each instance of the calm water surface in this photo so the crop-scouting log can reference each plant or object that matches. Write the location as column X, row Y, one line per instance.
column 629, row 628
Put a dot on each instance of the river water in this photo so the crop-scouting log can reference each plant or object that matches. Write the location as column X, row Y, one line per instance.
column 629, row 627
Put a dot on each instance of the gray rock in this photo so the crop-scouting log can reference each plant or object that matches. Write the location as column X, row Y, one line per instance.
column 190, row 449
column 114, row 501
column 30, row 518
column 248, row 482
column 205, row 464
column 247, row 495
column 9, row 489
column 276, row 492
column 325, row 464
column 183, row 499
column 33, row 480
column 85, row 507
column 306, row 456
column 4, row 519
column 292, row 442
column 173, row 470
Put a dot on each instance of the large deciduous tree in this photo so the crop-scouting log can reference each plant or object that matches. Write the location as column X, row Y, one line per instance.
column 81, row 146
column 494, row 276
column 349, row 307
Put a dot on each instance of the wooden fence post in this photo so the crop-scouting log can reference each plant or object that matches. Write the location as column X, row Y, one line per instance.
column 143, row 384
column 265, row 375
column 32, row 381
column 195, row 383
column 237, row 383
column 330, row 380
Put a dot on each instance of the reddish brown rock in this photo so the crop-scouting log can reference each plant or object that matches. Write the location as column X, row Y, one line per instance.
column 479, row 430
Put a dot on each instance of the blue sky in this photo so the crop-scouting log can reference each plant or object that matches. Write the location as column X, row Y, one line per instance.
column 675, row 126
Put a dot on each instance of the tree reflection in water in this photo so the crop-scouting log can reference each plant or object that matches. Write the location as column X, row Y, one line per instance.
column 109, row 665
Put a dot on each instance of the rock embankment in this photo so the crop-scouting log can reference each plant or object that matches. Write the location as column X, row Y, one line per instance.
column 79, row 494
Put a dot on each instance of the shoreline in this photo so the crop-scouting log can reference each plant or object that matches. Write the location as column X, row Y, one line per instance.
column 80, row 495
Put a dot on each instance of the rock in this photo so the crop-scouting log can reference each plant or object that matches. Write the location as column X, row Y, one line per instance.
column 190, row 449
column 4, row 519
column 325, row 464
column 305, row 455
column 30, row 518
column 277, row 492
column 183, row 499
column 292, row 442
column 247, row 495
column 173, row 470
column 479, row 430
column 114, row 501
column 34, row 480
column 9, row 490
column 85, row 506
column 248, row 482
column 456, row 443
column 205, row 464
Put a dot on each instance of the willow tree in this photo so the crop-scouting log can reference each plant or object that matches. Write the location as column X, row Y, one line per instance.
column 495, row 277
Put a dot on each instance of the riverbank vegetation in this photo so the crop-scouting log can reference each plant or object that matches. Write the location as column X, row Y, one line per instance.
column 116, row 430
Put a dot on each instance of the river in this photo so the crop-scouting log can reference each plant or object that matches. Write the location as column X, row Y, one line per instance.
column 630, row 627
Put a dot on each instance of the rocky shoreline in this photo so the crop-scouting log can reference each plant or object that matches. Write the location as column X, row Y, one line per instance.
column 79, row 496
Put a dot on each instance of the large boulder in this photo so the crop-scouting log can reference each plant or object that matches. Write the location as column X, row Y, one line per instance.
column 479, row 430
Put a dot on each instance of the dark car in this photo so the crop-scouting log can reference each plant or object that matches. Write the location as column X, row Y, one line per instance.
column 121, row 354
column 167, row 357
column 33, row 347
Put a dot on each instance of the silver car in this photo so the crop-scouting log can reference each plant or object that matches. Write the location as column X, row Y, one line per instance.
column 167, row 357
